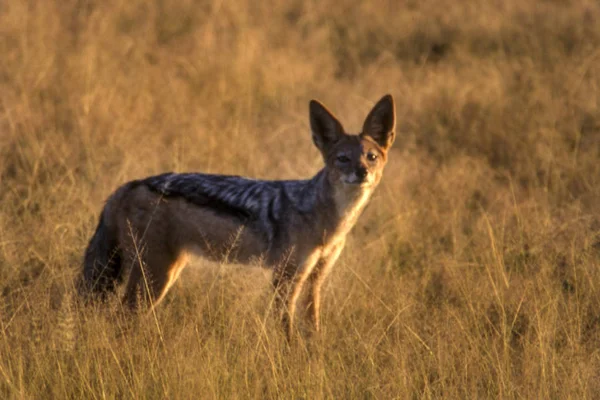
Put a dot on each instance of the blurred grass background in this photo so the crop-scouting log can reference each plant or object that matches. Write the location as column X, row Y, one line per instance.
column 474, row 272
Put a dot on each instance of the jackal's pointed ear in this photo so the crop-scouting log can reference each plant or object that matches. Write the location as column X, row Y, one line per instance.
column 326, row 129
column 381, row 122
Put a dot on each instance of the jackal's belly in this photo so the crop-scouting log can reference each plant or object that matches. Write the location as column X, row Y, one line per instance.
column 231, row 255
column 224, row 242
column 205, row 233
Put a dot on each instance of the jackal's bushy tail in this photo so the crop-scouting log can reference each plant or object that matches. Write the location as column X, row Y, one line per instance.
column 102, row 267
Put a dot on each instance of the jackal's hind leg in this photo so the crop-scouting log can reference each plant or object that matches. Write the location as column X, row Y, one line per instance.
column 150, row 279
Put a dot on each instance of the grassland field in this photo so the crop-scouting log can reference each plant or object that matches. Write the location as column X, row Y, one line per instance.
column 474, row 272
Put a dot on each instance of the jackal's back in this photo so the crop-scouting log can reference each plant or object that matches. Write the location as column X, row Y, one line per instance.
column 262, row 205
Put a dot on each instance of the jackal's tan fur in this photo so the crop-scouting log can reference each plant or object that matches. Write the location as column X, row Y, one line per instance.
column 297, row 228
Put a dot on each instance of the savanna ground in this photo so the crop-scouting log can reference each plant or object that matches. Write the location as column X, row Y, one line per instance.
column 474, row 272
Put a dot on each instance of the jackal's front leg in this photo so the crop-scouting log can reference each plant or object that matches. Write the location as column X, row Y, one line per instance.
column 288, row 281
column 316, row 278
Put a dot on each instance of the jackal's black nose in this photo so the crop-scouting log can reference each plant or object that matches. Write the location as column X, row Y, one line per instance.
column 361, row 172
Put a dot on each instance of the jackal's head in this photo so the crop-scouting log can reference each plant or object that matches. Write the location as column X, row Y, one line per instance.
column 354, row 161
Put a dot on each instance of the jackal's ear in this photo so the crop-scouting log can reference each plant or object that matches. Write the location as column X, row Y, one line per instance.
column 381, row 122
column 326, row 129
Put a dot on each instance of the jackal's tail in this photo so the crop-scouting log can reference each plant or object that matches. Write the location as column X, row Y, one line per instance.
column 102, row 264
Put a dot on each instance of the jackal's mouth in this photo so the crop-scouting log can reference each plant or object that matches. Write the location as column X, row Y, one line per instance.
column 357, row 182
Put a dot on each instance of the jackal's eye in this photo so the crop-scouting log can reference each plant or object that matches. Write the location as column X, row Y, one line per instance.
column 371, row 156
column 343, row 158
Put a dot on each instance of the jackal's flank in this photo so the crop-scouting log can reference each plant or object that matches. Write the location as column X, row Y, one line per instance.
column 296, row 227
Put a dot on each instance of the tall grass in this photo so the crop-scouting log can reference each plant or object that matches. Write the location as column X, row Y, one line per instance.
column 474, row 272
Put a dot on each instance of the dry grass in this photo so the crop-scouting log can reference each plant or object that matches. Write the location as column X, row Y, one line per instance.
column 474, row 273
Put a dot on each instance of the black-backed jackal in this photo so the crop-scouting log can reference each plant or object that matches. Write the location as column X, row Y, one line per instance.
column 298, row 228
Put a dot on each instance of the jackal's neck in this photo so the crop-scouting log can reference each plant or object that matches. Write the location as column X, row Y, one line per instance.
column 340, row 204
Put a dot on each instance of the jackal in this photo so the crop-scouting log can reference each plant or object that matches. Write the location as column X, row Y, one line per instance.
column 149, row 227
